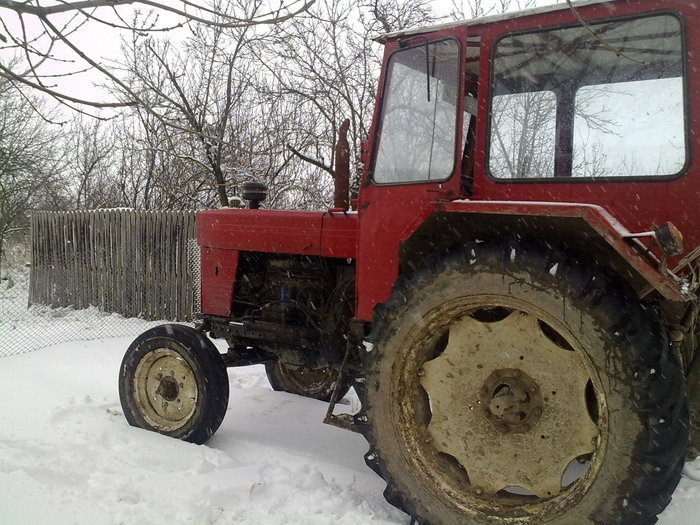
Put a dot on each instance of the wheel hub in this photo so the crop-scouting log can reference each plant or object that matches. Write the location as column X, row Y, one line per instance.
column 165, row 389
column 508, row 402
column 168, row 388
column 512, row 399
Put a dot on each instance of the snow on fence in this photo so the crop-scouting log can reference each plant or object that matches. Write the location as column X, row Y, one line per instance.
column 121, row 261
column 99, row 273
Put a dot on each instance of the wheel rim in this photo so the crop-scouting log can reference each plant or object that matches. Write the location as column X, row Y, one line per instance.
column 165, row 389
column 310, row 382
column 504, row 406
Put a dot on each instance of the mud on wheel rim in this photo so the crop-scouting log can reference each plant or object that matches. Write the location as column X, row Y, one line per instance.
column 165, row 389
column 506, row 433
column 314, row 382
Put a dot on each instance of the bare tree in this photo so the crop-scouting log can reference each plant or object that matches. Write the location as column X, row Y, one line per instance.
column 328, row 65
column 204, row 120
column 147, row 176
column 385, row 16
column 43, row 34
column 197, row 92
column 89, row 167
column 29, row 160
column 466, row 9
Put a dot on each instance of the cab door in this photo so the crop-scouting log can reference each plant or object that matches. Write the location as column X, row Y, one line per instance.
column 415, row 152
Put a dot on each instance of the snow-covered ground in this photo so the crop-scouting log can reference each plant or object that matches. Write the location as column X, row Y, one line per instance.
column 68, row 457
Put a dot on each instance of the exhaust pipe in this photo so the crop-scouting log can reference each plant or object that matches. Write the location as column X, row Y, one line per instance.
column 341, row 193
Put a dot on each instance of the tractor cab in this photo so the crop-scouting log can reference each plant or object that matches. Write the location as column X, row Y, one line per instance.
column 532, row 124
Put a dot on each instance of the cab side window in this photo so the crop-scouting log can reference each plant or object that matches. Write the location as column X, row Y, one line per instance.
column 603, row 101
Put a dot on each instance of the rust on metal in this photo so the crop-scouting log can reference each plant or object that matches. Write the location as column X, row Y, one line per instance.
column 165, row 389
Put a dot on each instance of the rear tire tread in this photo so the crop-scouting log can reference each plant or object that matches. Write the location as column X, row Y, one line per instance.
column 635, row 325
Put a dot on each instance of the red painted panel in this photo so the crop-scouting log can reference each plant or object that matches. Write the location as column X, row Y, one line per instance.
column 386, row 211
column 222, row 234
column 218, row 271
column 272, row 231
column 339, row 235
column 597, row 217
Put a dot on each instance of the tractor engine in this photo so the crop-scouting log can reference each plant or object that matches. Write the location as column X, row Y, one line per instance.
column 289, row 291
column 292, row 307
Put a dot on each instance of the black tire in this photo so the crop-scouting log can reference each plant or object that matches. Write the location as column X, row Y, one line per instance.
column 694, row 397
column 316, row 384
column 425, row 341
column 173, row 381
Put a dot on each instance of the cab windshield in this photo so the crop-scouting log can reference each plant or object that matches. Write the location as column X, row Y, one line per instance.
column 417, row 131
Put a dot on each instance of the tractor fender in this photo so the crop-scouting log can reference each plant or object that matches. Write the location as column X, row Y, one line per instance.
column 584, row 228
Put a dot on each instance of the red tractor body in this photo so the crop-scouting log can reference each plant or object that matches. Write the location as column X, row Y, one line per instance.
column 597, row 213
column 515, row 289
column 224, row 233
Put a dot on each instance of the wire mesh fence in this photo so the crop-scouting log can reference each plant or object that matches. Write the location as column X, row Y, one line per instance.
column 86, row 275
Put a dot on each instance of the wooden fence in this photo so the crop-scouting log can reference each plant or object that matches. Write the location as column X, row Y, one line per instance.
column 133, row 263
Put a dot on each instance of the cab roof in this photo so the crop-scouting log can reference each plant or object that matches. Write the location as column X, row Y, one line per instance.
column 489, row 19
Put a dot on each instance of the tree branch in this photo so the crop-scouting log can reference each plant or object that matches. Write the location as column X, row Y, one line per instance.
column 8, row 74
column 317, row 163
column 273, row 17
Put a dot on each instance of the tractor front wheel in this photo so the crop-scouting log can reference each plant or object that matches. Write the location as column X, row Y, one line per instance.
column 174, row 381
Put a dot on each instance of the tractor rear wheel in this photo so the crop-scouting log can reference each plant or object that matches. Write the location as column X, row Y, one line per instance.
column 513, row 384
column 316, row 383
column 174, row 381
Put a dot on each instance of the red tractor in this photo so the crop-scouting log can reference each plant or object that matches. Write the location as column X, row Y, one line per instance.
column 510, row 294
